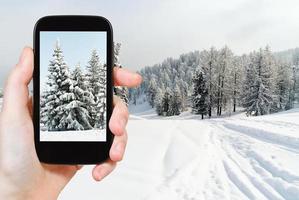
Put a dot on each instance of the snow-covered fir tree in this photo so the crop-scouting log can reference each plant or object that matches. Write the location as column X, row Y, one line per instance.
column 151, row 92
column 165, row 103
column 231, row 81
column 175, row 105
column 199, row 95
column 79, row 115
column 55, row 101
column 208, row 62
column 95, row 77
column 283, row 88
column 100, row 101
column 158, row 101
column 260, row 98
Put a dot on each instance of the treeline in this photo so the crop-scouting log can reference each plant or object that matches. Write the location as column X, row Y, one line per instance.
column 213, row 82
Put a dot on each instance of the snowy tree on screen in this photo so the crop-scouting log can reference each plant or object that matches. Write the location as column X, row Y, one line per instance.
column 95, row 78
column 1, row 93
column 100, row 119
column 199, row 95
column 101, row 110
column 120, row 91
column 79, row 115
column 55, row 101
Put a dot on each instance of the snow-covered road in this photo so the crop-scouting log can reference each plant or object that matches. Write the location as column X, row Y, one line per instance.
column 228, row 158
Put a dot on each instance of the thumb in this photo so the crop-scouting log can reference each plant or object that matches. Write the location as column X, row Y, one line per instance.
column 16, row 93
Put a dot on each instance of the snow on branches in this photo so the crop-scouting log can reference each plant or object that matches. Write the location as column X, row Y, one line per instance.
column 214, row 82
column 74, row 100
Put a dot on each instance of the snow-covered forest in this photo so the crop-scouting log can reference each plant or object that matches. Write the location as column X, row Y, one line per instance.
column 74, row 99
column 216, row 81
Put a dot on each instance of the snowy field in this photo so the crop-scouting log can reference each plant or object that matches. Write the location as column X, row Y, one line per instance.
column 88, row 135
column 228, row 158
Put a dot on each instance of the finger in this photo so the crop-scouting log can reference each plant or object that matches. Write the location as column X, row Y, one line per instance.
column 16, row 91
column 118, row 147
column 119, row 117
column 123, row 77
column 101, row 171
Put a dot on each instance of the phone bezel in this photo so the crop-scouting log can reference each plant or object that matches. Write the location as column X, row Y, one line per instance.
column 62, row 152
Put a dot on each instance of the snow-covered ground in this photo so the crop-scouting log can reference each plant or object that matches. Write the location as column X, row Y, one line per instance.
column 87, row 135
column 228, row 158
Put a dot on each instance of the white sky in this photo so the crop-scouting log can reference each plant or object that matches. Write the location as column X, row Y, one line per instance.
column 153, row 30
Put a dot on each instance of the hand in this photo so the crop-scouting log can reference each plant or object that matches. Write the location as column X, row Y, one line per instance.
column 22, row 176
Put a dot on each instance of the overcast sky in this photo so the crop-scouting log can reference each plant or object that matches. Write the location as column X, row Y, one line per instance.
column 152, row 30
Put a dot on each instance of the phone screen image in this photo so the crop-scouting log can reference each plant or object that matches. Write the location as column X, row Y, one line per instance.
column 73, row 79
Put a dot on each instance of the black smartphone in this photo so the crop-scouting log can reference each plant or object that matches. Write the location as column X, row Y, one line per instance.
column 72, row 89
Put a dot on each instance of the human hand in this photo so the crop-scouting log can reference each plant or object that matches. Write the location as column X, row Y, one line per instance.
column 22, row 176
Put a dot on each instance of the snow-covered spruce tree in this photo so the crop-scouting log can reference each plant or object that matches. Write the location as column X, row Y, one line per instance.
column 158, row 101
column 259, row 99
column 165, row 104
column 95, row 77
column 120, row 91
column 78, row 107
column 100, row 120
column 1, row 93
column 151, row 92
column 55, row 110
column 283, row 87
column 175, row 105
column 199, row 95
column 208, row 61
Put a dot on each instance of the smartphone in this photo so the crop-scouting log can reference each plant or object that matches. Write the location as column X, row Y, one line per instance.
column 72, row 89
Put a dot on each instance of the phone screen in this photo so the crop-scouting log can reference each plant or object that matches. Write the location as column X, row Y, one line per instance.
column 73, row 85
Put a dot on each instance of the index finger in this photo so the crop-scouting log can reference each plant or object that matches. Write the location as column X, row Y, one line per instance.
column 124, row 77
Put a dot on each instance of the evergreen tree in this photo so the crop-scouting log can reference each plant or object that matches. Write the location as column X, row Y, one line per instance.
column 283, row 87
column 260, row 98
column 199, row 94
column 158, row 101
column 176, row 102
column 55, row 112
column 79, row 114
column 151, row 92
column 95, row 77
column 208, row 62
column 166, row 102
